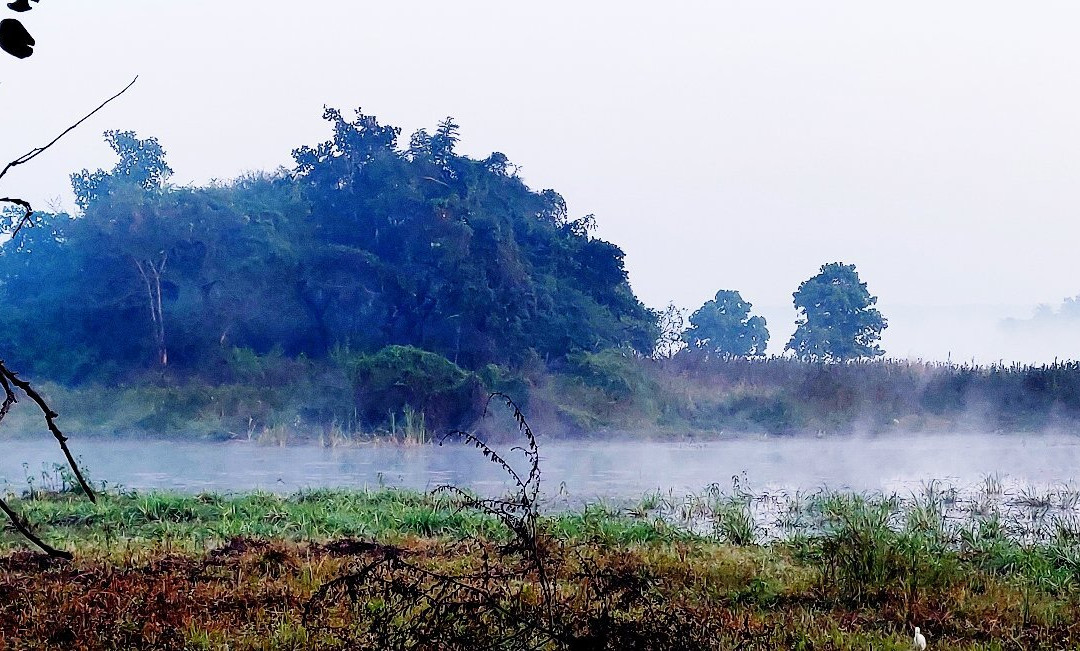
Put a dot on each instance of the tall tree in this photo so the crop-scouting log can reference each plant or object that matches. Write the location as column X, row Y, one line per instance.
column 838, row 320
column 141, row 168
column 723, row 326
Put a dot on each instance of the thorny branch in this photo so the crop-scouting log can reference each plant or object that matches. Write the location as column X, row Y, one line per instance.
column 50, row 420
column 9, row 380
column 534, row 592
column 29, row 535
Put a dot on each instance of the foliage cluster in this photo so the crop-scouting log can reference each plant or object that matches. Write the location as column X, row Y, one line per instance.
column 363, row 244
column 839, row 320
column 403, row 376
column 724, row 326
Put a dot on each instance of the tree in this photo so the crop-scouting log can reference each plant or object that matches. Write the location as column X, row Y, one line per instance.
column 838, row 319
column 141, row 168
column 142, row 164
column 425, row 247
column 671, row 323
column 723, row 326
column 364, row 245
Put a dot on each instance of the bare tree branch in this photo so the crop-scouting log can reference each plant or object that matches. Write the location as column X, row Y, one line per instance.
column 50, row 422
column 25, row 531
column 16, row 521
column 37, row 151
column 9, row 397
column 9, row 381
column 27, row 211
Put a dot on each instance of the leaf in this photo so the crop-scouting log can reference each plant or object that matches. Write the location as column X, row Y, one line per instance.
column 14, row 39
column 20, row 5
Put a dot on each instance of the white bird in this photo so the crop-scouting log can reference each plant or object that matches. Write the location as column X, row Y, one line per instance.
column 919, row 642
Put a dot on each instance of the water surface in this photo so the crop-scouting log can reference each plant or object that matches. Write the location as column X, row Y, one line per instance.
column 575, row 471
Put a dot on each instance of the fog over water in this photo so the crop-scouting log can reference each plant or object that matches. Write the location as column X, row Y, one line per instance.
column 575, row 472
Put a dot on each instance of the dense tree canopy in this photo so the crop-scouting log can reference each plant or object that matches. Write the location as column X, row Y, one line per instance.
column 838, row 320
column 363, row 244
column 141, row 164
column 723, row 326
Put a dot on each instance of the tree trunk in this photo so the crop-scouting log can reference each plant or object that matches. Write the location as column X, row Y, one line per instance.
column 152, row 281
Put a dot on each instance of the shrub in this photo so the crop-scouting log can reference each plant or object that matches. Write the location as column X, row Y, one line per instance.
column 397, row 377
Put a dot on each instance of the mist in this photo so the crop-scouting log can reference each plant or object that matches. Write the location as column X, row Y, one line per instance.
column 580, row 472
column 981, row 334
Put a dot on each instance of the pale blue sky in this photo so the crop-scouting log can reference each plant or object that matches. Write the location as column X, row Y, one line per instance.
column 722, row 144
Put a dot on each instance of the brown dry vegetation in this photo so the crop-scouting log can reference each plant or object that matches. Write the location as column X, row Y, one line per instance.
column 251, row 594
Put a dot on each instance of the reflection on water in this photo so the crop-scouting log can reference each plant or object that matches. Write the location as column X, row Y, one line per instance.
column 577, row 471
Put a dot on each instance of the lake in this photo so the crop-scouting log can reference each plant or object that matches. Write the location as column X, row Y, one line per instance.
column 572, row 471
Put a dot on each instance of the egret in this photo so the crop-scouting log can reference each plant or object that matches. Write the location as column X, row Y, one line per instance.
column 919, row 642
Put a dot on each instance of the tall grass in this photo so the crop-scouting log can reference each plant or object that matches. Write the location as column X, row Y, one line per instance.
column 413, row 429
column 863, row 546
column 606, row 391
column 197, row 521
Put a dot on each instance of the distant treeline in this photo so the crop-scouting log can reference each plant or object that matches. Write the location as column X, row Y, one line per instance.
column 377, row 286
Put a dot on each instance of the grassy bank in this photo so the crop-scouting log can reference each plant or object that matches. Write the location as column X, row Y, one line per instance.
column 406, row 395
column 258, row 571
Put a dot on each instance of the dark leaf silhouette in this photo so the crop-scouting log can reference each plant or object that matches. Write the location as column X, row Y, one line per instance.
column 20, row 5
column 14, row 39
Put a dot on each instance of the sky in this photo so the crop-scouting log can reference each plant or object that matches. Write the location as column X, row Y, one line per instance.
column 722, row 145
